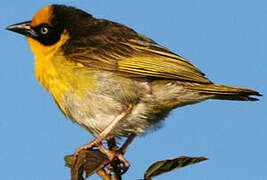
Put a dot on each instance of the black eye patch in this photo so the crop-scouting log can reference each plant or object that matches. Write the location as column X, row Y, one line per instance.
column 48, row 35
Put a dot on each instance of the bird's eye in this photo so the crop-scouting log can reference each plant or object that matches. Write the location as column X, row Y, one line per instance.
column 44, row 30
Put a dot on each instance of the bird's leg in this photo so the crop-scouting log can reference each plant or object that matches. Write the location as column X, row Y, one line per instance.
column 116, row 163
column 98, row 141
column 126, row 144
column 114, row 166
column 113, row 145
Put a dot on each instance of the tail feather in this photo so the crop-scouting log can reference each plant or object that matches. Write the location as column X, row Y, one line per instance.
column 226, row 92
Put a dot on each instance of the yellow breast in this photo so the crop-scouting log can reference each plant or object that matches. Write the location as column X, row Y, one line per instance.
column 57, row 74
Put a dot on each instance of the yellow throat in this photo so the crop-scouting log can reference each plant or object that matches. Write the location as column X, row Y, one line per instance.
column 46, row 67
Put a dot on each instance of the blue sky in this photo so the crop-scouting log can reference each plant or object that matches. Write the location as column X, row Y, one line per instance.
column 225, row 39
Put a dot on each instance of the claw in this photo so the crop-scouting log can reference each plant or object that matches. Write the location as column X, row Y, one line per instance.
column 118, row 163
column 111, row 154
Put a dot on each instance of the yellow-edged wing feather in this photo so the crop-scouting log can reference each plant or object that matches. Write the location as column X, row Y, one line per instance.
column 139, row 58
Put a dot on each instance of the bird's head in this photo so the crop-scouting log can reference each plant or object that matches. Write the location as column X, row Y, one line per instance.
column 53, row 26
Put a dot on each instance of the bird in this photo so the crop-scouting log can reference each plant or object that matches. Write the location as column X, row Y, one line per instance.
column 111, row 80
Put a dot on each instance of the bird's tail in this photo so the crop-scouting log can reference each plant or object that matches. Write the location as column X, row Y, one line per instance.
column 226, row 92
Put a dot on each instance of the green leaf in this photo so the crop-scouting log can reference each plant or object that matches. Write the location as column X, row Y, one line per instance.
column 164, row 166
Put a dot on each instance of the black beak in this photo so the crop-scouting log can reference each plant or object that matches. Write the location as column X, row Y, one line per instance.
column 23, row 28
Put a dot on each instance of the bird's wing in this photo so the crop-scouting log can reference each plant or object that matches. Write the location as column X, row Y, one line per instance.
column 140, row 57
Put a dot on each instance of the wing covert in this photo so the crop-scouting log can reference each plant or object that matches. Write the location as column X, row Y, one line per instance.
column 140, row 57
